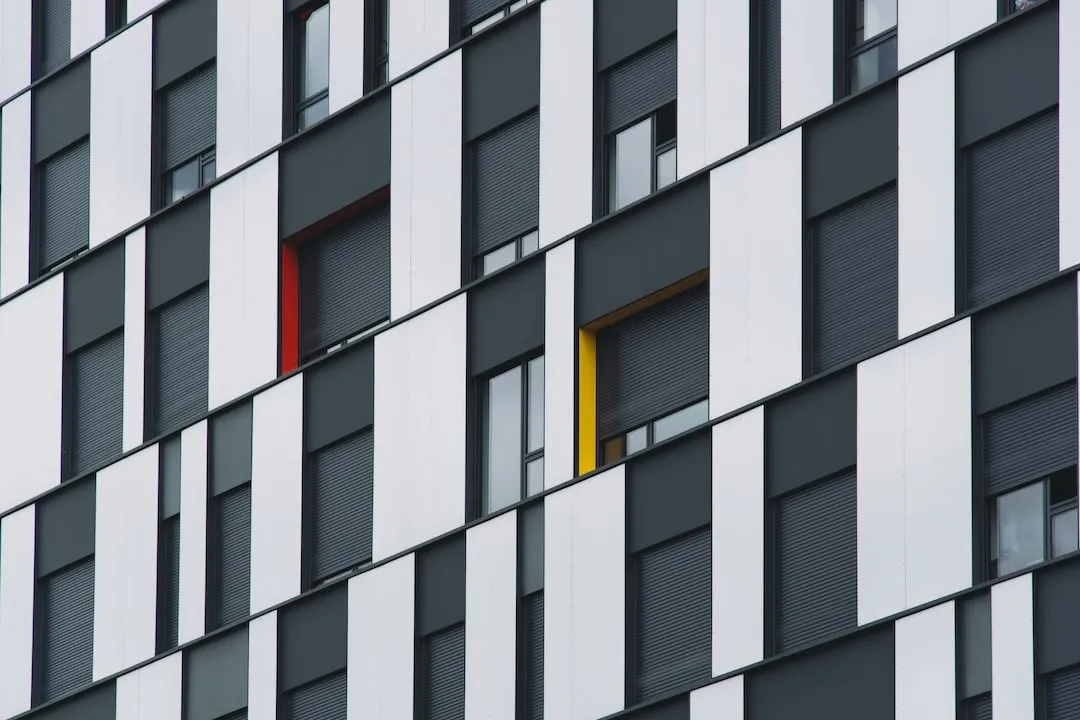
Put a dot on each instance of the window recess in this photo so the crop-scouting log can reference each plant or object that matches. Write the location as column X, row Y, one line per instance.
column 479, row 15
column 52, row 35
column 341, row 506
column 63, row 204
column 115, row 15
column 312, row 65
column 869, row 52
column 66, row 630
column 377, row 44
column 512, row 435
column 189, row 133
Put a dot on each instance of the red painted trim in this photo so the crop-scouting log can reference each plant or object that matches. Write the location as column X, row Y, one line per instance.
column 290, row 308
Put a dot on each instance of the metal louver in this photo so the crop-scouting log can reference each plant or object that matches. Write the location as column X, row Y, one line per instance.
column 182, row 360
column 1063, row 694
column 342, row 505
column 473, row 11
column 68, row 630
column 190, row 116
column 980, row 708
column 65, row 204
column 640, row 85
column 97, row 386
column 171, row 585
column 232, row 556
column 444, row 674
column 534, row 656
column 323, row 699
column 770, row 66
column 55, row 34
column 506, row 183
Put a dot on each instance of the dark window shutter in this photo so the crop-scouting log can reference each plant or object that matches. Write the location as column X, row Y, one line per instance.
column 816, row 562
column 170, row 532
column 1012, row 209
column 770, row 66
column 444, row 674
column 640, row 85
column 64, row 204
column 1063, row 694
column 473, row 11
column 653, row 362
column 324, row 699
column 67, row 646
column 1030, row 439
column 981, row 708
column 534, row 656
column 342, row 505
column 190, row 116
column 674, row 609
column 345, row 281
column 238, row 715
column 55, row 34
column 506, row 183
column 855, row 279
column 182, row 360
column 232, row 556
column 97, row 408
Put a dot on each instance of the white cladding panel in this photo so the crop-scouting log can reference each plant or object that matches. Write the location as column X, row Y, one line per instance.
column 346, row 52
column 1012, row 649
column 17, row 537
column 87, row 24
column 153, row 692
column 720, row 701
column 15, row 199
column 560, row 338
column 924, row 28
column 134, row 337
column 806, row 58
column 135, row 8
column 262, row 667
column 15, row 35
column 193, row 488
column 926, row 664
column 419, row 30
column 1068, row 133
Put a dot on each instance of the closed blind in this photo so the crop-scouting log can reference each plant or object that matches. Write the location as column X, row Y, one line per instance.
column 444, row 675
column 342, row 505
column 65, row 204
column 324, row 699
column 97, row 386
column 182, row 361
column 534, row 656
column 232, row 556
column 473, row 11
column 640, row 85
column 190, row 116
column 68, row 630
column 506, row 183
column 55, row 34
column 1063, row 694
column 171, row 583
column 980, row 708
column 770, row 66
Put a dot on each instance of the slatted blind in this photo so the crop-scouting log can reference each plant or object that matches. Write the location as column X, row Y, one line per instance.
column 181, row 360
column 473, row 11
column 171, row 583
column 55, row 34
column 816, row 593
column 232, row 555
column 189, row 121
column 534, row 656
column 653, row 362
column 238, row 715
column 1012, row 209
column 1029, row 439
column 855, row 279
column 67, row 605
column 342, row 505
column 97, row 408
column 444, row 674
column 640, row 85
column 1063, row 694
column 64, row 204
column 769, row 76
column 324, row 699
column 980, row 708
column 506, row 183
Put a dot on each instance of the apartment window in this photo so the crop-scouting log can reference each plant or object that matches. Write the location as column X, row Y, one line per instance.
column 378, row 44
column 767, row 51
column 229, row 517
column 169, row 546
column 181, row 351
column 513, row 435
column 442, row 689
column 52, row 37
column 1062, row 690
column 871, row 42
column 63, row 203
column 115, row 15
column 341, row 506
column 96, row 403
column 534, row 656
column 189, row 133
column 655, row 431
column 1036, row 522
column 313, row 65
column 67, row 630
column 314, row 628
column 478, row 15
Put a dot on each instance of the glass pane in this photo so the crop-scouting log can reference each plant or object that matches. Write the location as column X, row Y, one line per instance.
column 536, row 404
column 314, row 113
column 487, row 22
column 184, row 180
column 534, row 477
column 517, row 5
column 209, row 171
column 665, row 169
column 637, row 440
column 873, row 17
column 613, row 449
column 1020, row 529
column 1063, row 531
column 667, row 120
column 499, row 258
column 632, row 173
column 877, row 63
column 681, row 421
column 530, row 242
column 315, row 74
column 502, row 441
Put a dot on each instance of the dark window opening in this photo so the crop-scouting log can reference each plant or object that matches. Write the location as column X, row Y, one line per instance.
column 476, row 24
column 1011, row 7
column 655, row 431
column 115, row 15
column 377, row 44
column 512, row 441
column 312, row 62
column 642, row 157
column 51, row 35
column 1034, row 523
column 66, row 630
column 188, row 110
column 189, row 177
column 869, row 42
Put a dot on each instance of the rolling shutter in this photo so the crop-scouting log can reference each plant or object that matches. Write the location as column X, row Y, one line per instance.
column 342, row 505
column 65, row 204
column 534, row 656
column 506, row 183
column 55, row 34
column 324, row 699
column 855, row 279
column 182, row 360
column 816, row 594
column 97, row 387
column 171, row 584
column 1063, row 694
column 232, row 556
column 238, row 715
column 473, row 11
column 640, row 85
column 190, row 116
column 1030, row 439
column 444, row 674
column 345, row 281
column 980, row 708
column 68, row 630
column 653, row 362
column 770, row 66
column 674, row 607
column 1012, row 209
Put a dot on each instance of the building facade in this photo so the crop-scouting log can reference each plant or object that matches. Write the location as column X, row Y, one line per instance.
column 539, row 359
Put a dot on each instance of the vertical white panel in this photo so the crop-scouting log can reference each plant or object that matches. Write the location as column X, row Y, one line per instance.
column 566, row 117
column 419, row 30
column 425, row 171
column 152, row 692
column 927, row 187
column 755, row 293
column 1012, row 651
column 346, row 52
column 560, row 336
column 277, row 463
column 121, row 98
column 584, row 598
column 419, row 429
column 924, row 28
column 926, row 664
column 262, row 667
column 243, row 282
column 806, row 58
column 30, row 392
column 1068, row 133
column 15, row 200
column 134, row 337
column 16, row 610
column 719, row 701
column 381, row 641
column 249, row 93
column 87, row 24
column 15, row 34
column 193, row 472
column 491, row 619
column 738, row 507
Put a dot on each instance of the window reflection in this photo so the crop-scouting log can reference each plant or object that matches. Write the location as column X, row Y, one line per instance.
column 502, row 450
column 316, row 69
column 1020, row 529
column 632, row 172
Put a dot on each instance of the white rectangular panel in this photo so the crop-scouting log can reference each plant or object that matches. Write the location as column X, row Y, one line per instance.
column 560, row 337
column 15, row 35
column 1012, row 649
column 152, row 692
column 87, row 24
column 193, row 472
column 262, row 667
column 15, row 200
column 134, row 337
column 491, row 618
column 420, row 378
column 346, row 52
column 17, row 539
column 926, row 664
column 720, row 701
column 755, row 290
column 806, row 58
column 922, row 29
column 1068, row 133
column 584, row 598
column 419, row 30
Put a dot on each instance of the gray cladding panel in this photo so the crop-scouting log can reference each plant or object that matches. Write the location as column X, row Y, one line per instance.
column 67, row 631
column 973, row 651
column 230, row 448
column 342, row 476
column 178, row 250
column 96, row 704
column 1063, row 695
column 531, row 547
column 669, row 492
column 61, row 110
column 55, row 34
column 440, row 585
column 534, row 656
column 339, row 396
column 94, row 297
column 215, row 677
column 443, row 690
column 97, row 405
column 232, row 556
column 623, row 27
column 501, row 73
column 324, row 699
column 506, row 183
column 170, row 476
column 640, row 85
column 506, row 316
column 185, row 37
column 65, row 527
column 190, row 116
column 312, row 637
column 1057, row 634
column 64, row 197
column 181, row 361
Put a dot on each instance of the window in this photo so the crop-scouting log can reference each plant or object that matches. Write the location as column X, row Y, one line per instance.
column 479, row 19
column 870, row 42
column 1011, row 7
column 509, row 253
column 378, row 44
column 443, row 674
column 96, row 414
column 115, row 15
column 628, row 443
column 642, row 158
column 52, row 35
column 66, row 630
column 231, row 556
column 1033, row 523
column 513, row 435
column 533, row 686
column 313, row 66
column 341, row 506
column 189, row 133
column 63, row 204
column 169, row 545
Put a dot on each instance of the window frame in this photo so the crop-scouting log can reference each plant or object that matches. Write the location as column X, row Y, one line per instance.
column 657, row 150
column 848, row 49
column 520, row 252
column 1049, row 511
column 204, row 159
column 298, row 104
column 650, row 434
column 493, row 18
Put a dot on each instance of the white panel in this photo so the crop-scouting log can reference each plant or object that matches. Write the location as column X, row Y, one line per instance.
column 87, row 24
column 15, row 34
column 419, row 429
column 755, row 294
column 425, row 171
column 560, row 337
column 277, row 464
column 346, row 52
column 381, row 641
column 16, row 610
column 719, row 701
column 566, row 118
column 419, row 30
column 1012, row 653
column 15, row 200
column 491, row 619
column 1068, row 133
column 262, row 667
column 924, row 28
column 152, row 692
column 927, row 186
column 806, row 58
column 134, row 337
column 121, row 98
column 135, row 8
column 30, row 392
column 738, row 511
column 193, row 485
column 926, row 664
column 584, row 588
column 249, row 94
column 243, row 282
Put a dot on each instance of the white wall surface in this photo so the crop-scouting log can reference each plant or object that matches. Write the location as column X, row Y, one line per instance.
column 924, row 28
column 1012, row 650
column 193, row 487
column 16, row 610
column 135, row 8
column 121, row 101
column 346, row 52
column 30, row 392
column 914, row 479
column 419, row 30
column 243, row 282
column 262, row 667
column 566, row 117
column 152, row 692
column 719, row 701
column 927, row 189
column 926, row 664
column 1068, row 133
column 87, row 24
column 560, row 338
column 806, row 58
column 15, row 34
column 755, row 287
column 15, row 199
column 134, row 337
column 584, row 589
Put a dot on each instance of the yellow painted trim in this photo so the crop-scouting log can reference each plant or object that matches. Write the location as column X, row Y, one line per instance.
column 586, row 401
column 649, row 300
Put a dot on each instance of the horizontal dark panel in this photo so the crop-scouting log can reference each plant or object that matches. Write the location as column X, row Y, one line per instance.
column 1057, row 640
column 674, row 709
column 623, row 27
column 230, row 448
column 61, row 110
column 669, row 492
column 170, row 476
column 178, row 251
column 313, row 636
column 94, row 297
column 502, row 73
column 216, row 676
column 506, row 317
column 531, row 548
column 185, row 37
column 973, row 616
column 440, row 585
column 65, row 527
column 339, row 396
column 96, row 704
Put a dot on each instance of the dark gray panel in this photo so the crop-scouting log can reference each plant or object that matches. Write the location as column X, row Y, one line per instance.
column 67, row 630
column 231, row 544
column 339, row 396
column 65, row 527
column 505, row 183
column 61, row 110
column 669, row 492
column 170, row 476
column 531, row 548
column 993, row 90
column 63, row 205
column 181, row 361
column 501, row 73
column 443, row 689
column 769, row 67
column 313, row 634
column 640, row 85
column 1029, row 439
column 440, row 585
column 345, row 159
column 979, row 708
column 635, row 253
column 54, row 34
column 534, row 656
column 216, row 676
column 94, row 297
column 170, row 587
column 341, row 499
column 624, row 27
column 185, row 37
column 178, row 251
column 230, row 448
column 974, row 676
column 1012, row 209
column 97, row 404
column 506, row 317
column 1057, row 633
column 851, row 150
column 324, row 699
column 1063, row 695
column 96, row 704
column 674, row 709
column 189, row 116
